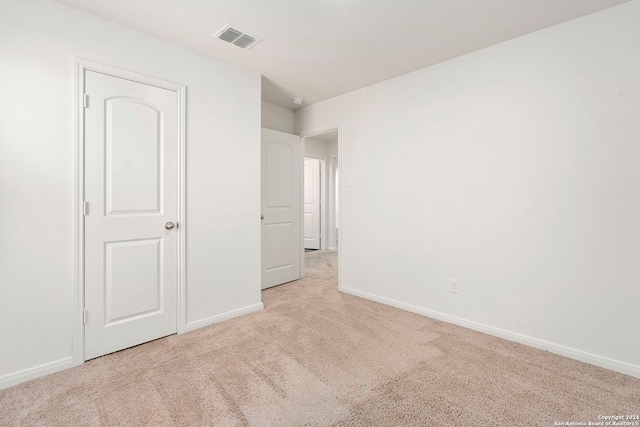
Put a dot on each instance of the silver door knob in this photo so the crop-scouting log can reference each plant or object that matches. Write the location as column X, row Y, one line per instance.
column 169, row 226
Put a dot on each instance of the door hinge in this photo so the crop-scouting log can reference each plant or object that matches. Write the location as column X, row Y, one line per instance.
column 85, row 101
column 85, row 317
column 85, row 208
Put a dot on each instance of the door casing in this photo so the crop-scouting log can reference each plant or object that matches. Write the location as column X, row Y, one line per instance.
column 83, row 65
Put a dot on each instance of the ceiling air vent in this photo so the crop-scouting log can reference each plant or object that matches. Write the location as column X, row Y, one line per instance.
column 237, row 37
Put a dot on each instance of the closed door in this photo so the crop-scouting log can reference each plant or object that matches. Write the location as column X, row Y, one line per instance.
column 131, row 193
column 311, row 203
column 281, row 208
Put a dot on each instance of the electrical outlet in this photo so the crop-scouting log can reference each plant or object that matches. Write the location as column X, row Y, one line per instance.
column 454, row 286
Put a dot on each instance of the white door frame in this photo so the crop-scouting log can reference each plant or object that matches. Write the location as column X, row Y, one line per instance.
column 332, row 221
column 324, row 204
column 83, row 65
column 311, row 134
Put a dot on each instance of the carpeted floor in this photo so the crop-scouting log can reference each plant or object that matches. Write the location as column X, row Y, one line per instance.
column 316, row 357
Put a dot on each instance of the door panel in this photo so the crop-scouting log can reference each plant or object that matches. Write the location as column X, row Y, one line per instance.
column 133, row 280
column 133, row 156
column 131, row 187
column 281, row 208
column 279, row 175
column 311, row 203
column 280, row 253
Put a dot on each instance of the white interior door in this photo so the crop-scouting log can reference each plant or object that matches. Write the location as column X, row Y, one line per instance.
column 312, row 210
column 131, row 192
column 281, row 208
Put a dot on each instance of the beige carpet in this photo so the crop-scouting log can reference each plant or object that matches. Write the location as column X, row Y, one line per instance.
column 315, row 357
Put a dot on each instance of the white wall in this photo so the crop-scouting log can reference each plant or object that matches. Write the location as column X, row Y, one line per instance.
column 515, row 169
column 279, row 118
column 333, row 148
column 39, row 41
column 316, row 148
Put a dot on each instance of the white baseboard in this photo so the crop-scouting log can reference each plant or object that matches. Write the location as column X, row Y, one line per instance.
column 224, row 316
column 35, row 372
column 593, row 359
column 16, row 378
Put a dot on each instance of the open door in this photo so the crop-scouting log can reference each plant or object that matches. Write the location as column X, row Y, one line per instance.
column 281, row 208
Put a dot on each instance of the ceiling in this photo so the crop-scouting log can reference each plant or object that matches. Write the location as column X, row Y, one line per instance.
column 318, row 49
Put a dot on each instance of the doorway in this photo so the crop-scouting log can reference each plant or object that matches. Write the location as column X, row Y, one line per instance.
column 282, row 225
column 322, row 149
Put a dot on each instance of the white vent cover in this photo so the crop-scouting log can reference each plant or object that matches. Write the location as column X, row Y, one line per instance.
column 237, row 37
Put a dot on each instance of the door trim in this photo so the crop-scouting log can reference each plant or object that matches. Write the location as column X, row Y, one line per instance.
column 81, row 66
